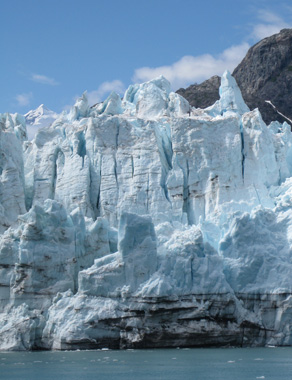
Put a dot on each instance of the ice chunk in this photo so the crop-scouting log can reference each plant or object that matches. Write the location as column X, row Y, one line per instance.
column 178, row 105
column 150, row 99
column 137, row 245
column 230, row 98
column 131, row 266
column 111, row 106
column 254, row 249
column 80, row 109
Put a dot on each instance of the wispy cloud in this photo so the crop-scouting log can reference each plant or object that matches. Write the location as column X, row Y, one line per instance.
column 270, row 23
column 43, row 79
column 104, row 89
column 24, row 99
column 191, row 69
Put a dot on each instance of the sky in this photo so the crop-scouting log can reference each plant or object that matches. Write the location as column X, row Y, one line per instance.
column 54, row 50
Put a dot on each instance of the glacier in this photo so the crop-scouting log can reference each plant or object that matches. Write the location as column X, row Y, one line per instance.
column 143, row 222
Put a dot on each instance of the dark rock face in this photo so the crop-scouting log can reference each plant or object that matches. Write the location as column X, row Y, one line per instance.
column 264, row 74
column 202, row 95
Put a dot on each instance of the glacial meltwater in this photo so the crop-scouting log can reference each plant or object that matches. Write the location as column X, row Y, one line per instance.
column 164, row 364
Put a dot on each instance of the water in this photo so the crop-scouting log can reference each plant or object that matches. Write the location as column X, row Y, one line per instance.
column 171, row 364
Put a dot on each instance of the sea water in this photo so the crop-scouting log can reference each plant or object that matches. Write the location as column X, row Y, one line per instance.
column 164, row 364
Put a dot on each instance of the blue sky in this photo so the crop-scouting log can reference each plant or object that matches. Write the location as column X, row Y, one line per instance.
column 52, row 51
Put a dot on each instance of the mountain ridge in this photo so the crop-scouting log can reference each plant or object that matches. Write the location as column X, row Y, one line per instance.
column 265, row 74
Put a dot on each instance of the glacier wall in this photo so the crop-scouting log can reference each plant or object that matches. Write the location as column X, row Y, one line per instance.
column 143, row 222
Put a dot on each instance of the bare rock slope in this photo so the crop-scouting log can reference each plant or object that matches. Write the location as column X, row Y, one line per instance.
column 265, row 74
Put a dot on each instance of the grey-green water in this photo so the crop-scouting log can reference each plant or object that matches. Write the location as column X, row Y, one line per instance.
column 172, row 364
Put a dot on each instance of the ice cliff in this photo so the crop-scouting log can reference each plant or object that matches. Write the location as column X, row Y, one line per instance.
column 144, row 222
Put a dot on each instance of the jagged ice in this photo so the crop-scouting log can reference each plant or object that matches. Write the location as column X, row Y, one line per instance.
column 143, row 222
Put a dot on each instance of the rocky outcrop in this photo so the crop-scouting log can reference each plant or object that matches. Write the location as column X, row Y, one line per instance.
column 265, row 74
column 202, row 95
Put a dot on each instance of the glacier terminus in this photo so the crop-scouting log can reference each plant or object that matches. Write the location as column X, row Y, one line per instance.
column 143, row 222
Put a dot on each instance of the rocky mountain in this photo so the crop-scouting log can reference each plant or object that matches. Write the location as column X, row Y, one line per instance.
column 143, row 222
column 202, row 95
column 265, row 74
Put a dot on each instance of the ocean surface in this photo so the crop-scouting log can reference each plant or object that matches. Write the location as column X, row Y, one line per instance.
column 164, row 364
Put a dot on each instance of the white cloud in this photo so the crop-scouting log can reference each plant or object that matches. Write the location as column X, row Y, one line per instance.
column 105, row 88
column 24, row 99
column 270, row 24
column 43, row 79
column 191, row 69
column 195, row 69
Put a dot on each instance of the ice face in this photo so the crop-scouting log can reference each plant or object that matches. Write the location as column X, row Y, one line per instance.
column 80, row 109
column 142, row 204
column 123, row 272
column 230, row 98
column 12, row 195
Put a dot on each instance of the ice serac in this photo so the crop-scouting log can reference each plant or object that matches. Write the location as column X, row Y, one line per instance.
column 230, row 98
column 12, row 194
column 143, row 222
